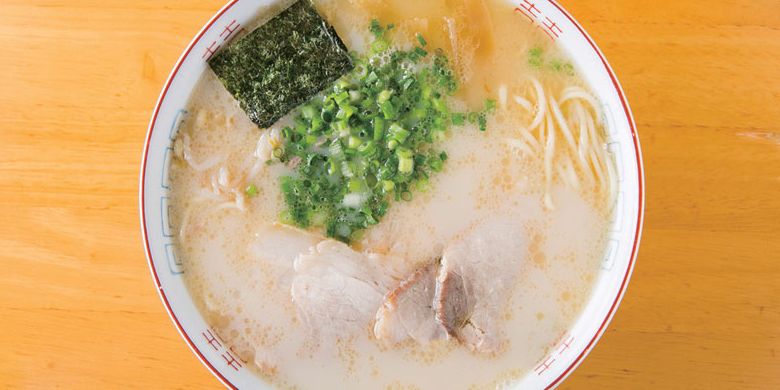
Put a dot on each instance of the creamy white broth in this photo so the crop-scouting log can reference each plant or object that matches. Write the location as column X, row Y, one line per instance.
column 238, row 258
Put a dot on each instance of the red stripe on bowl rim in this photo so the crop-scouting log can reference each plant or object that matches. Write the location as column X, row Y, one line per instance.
column 577, row 361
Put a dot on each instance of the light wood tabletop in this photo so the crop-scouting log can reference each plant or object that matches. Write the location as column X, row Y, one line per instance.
column 79, row 79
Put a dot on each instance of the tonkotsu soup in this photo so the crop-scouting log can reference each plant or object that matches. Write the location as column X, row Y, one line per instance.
column 432, row 218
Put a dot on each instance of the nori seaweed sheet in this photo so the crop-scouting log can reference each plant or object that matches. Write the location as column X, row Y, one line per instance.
column 282, row 63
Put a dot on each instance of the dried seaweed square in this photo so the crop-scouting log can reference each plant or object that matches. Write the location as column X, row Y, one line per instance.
column 282, row 63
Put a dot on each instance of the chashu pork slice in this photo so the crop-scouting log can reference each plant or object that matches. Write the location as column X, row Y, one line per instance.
column 407, row 311
column 475, row 281
column 337, row 290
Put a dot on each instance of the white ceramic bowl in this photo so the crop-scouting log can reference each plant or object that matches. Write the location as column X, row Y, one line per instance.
column 618, row 260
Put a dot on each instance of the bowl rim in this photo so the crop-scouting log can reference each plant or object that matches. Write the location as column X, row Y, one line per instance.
column 636, row 236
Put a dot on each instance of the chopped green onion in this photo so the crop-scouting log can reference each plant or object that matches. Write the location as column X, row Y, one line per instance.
column 490, row 105
column 335, row 149
column 379, row 46
column 439, row 105
column 367, row 148
column 341, row 98
column 398, row 133
column 436, row 164
column 317, row 124
column 347, row 169
column 356, row 185
column 404, row 152
column 251, row 191
column 342, row 84
column 458, row 119
column 308, row 112
column 421, row 40
column 482, row 121
column 341, row 127
column 354, row 142
column 535, row 57
column 392, row 144
column 345, row 112
column 379, row 126
column 355, row 96
column 371, row 78
column 388, row 110
column 405, row 165
column 383, row 96
column 376, row 28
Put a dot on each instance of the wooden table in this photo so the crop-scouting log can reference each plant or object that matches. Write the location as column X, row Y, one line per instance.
column 78, row 80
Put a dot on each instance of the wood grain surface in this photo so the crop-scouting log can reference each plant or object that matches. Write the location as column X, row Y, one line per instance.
column 78, row 81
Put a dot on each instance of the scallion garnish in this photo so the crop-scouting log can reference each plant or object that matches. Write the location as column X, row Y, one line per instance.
column 370, row 139
column 251, row 191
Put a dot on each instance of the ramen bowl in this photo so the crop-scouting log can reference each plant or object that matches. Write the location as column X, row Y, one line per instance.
column 615, row 267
